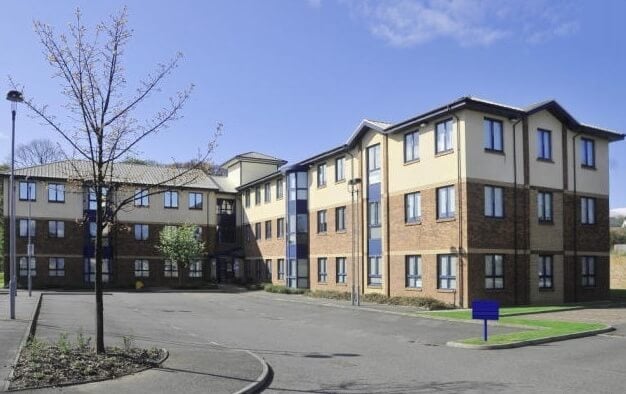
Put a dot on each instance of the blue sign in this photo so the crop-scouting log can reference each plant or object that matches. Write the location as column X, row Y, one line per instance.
column 485, row 310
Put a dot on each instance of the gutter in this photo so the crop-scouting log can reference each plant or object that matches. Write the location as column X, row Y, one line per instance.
column 460, row 209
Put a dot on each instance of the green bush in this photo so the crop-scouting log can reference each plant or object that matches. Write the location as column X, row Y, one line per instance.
column 331, row 294
column 419, row 302
column 270, row 288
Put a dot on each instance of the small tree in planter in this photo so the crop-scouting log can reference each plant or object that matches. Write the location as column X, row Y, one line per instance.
column 179, row 244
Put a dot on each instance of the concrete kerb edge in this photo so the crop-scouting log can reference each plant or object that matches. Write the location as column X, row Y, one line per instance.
column 531, row 342
column 261, row 380
column 30, row 331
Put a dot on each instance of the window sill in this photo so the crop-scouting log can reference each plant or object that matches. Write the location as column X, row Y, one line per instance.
column 324, row 233
column 586, row 167
column 322, row 283
column 418, row 289
column 58, row 202
column 500, row 290
column 415, row 223
column 341, row 232
column 546, row 289
column 495, row 217
column 170, row 207
column 446, row 290
column 195, row 209
column 546, row 222
column 374, row 286
column 444, row 153
column 340, row 181
column 587, row 224
column 443, row 220
column 541, row 159
column 321, row 186
column 342, row 284
column 495, row 151
column 409, row 162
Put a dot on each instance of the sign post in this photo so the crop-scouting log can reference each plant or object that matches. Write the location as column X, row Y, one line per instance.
column 485, row 310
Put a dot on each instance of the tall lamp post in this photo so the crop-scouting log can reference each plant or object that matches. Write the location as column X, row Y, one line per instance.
column 353, row 184
column 14, row 97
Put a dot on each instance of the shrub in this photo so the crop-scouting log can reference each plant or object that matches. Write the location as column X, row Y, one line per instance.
column 270, row 288
column 331, row 294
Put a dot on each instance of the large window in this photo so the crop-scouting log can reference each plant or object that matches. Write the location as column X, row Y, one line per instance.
column 24, row 266
column 413, row 271
column 56, row 266
column 142, row 269
column 588, row 271
column 195, row 200
column 545, row 272
column 373, row 164
column 373, row 217
column 321, row 221
column 268, row 270
column 494, row 201
column 340, row 219
column 257, row 231
column 281, row 269
column 141, row 232
column 56, row 229
column 280, row 227
column 27, row 228
column 257, row 195
column 322, row 273
column 544, row 144
column 494, row 271
column 267, row 192
column 90, row 270
column 445, row 202
column 268, row 229
column 225, row 206
column 412, row 207
column 280, row 188
column 340, row 168
column 170, row 199
column 195, row 269
column 342, row 274
column 142, row 199
column 170, row 269
column 28, row 191
column 411, row 146
column 92, row 198
column 587, row 210
column 374, row 271
column 446, row 269
column 544, row 207
column 321, row 175
column 247, row 198
column 588, row 152
column 443, row 141
column 493, row 135
column 56, row 192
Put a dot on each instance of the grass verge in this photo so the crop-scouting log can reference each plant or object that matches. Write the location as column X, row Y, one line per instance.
column 1, row 279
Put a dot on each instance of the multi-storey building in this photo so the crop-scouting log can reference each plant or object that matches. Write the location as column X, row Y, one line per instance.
column 471, row 200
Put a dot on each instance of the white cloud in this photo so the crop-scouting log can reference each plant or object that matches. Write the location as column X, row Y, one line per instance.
column 405, row 23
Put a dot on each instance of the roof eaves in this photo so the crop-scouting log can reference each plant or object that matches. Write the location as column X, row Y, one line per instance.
column 259, row 180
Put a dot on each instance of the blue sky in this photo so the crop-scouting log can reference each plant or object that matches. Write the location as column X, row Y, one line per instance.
column 292, row 78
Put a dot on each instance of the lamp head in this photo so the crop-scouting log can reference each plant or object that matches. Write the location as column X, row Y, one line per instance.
column 15, row 96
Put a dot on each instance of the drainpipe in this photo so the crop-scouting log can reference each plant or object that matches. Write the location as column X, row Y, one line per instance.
column 460, row 210
column 515, row 258
column 575, row 218
column 387, row 218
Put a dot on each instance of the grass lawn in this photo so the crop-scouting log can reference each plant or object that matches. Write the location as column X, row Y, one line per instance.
column 1, row 279
column 538, row 328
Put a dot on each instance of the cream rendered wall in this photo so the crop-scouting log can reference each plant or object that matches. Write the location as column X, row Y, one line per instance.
column 71, row 209
column 592, row 181
column 157, row 213
column 546, row 174
column 334, row 193
column 265, row 211
column 234, row 174
column 252, row 171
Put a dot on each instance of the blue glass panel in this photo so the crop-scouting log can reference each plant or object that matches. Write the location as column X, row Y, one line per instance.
column 373, row 192
column 374, row 247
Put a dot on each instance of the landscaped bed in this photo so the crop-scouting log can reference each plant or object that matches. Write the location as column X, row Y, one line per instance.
column 43, row 364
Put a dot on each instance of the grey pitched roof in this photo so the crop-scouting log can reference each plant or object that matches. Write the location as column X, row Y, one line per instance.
column 225, row 185
column 122, row 173
column 254, row 157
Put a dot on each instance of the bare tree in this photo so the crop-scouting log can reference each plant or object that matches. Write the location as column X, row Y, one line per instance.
column 101, row 126
column 37, row 152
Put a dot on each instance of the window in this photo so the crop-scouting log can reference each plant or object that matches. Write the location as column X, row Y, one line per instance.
column 28, row 191
column 268, row 193
column 268, row 270
column 257, row 231
column 493, row 135
column 280, row 227
column 411, row 146
column 494, row 201
column 26, row 229
column 494, row 271
column 340, row 169
column 545, row 272
column 56, row 229
column 446, row 268
column 170, row 270
column 56, row 192
column 374, row 275
column 443, row 138
column 322, row 274
column 268, row 229
column 544, row 206
column 445, row 202
column 197, row 233
column 142, row 269
column 225, row 206
column 195, row 269
column 321, row 221
column 341, row 269
column 141, row 198
column 589, row 271
column 373, row 217
column 587, row 210
column 171, row 199
column 141, row 232
column 544, row 144
column 281, row 269
column 321, row 175
column 413, row 270
column 588, row 152
column 92, row 200
column 248, row 231
column 24, row 266
column 412, row 207
column 373, row 164
column 56, row 266
column 195, row 200
column 247, row 198
column 280, row 188
column 90, row 270
column 340, row 219
column 257, row 195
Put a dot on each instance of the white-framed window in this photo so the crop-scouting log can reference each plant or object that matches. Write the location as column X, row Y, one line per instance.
column 56, row 266
column 247, row 198
column 170, row 199
column 280, row 188
column 342, row 273
column 544, row 144
column 24, row 266
column 28, row 191
column 56, row 229
column 545, row 272
column 340, row 169
column 281, row 269
column 446, row 270
column 280, row 227
column 141, row 232
column 492, row 129
column 268, row 229
column 494, row 201
column 588, row 271
column 544, row 206
column 587, row 152
column 142, row 199
column 142, row 269
column 443, row 138
column 27, row 227
column 257, row 195
column 170, row 269
column 494, row 271
column 268, row 270
column 56, row 192
column 195, row 269
column 374, row 271
column 195, row 200
column 373, row 164
column 267, row 192
column 322, row 225
column 413, row 271
column 411, row 146
column 412, row 207
column 445, row 202
column 373, row 220
column 322, row 273
column 340, row 219
column 587, row 210
column 321, row 175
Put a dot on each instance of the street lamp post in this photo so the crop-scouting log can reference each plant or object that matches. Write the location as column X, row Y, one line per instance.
column 14, row 97
column 356, row 299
